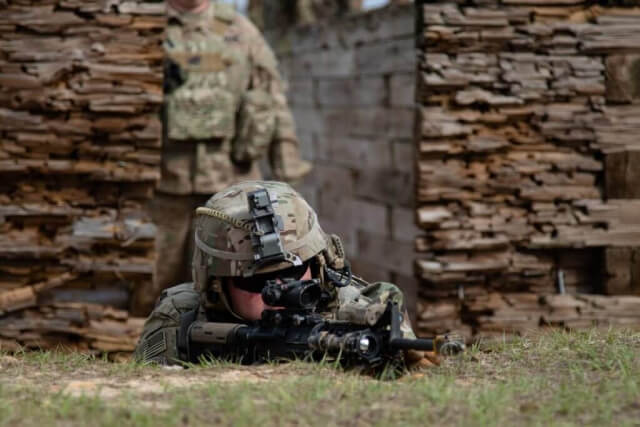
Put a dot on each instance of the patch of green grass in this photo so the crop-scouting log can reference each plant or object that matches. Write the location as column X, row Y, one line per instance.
column 553, row 378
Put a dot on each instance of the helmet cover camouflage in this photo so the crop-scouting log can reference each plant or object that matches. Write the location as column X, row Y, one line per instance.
column 223, row 235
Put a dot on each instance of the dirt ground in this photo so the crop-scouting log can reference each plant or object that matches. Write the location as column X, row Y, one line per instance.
column 80, row 376
column 554, row 378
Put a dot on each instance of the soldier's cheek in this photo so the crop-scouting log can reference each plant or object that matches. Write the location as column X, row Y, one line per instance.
column 248, row 305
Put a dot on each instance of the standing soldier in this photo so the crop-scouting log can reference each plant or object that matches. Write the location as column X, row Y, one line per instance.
column 224, row 109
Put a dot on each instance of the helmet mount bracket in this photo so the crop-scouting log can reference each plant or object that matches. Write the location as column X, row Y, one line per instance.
column 265, row 236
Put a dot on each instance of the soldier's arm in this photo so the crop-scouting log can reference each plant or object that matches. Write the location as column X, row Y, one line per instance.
column 158, row 342
column 284, row 150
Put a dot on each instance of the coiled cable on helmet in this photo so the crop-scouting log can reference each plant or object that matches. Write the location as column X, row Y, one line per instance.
column 337, row 243
column 235, row 222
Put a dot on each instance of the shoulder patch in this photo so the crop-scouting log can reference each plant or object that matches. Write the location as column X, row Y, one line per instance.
column 154, row 346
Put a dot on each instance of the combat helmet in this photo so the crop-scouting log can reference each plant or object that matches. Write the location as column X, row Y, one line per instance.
column 255, row 229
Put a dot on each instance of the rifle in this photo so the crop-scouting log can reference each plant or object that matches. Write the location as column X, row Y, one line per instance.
column 297, row 330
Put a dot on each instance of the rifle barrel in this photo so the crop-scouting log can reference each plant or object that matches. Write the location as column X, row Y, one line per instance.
column 421, row 344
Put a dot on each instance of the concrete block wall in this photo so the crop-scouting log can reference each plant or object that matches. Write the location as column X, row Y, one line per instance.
column 351, row 89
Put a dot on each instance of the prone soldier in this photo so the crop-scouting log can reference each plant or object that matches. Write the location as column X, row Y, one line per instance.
column 248, row 238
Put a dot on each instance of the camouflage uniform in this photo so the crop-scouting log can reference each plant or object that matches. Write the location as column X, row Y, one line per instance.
column 224, row 109
column 224, row 250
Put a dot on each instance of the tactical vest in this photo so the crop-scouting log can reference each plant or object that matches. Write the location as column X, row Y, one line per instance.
column 206, row 77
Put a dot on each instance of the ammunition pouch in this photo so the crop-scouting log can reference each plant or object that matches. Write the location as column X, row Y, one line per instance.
column 256, row 126
column 200, row 112
column 203, row 82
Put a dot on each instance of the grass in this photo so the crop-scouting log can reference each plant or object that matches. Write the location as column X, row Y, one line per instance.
column 553, row 378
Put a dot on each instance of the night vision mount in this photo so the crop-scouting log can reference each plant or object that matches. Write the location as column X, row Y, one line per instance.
column 265, row 237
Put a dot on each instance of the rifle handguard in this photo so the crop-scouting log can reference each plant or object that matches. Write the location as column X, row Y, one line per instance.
column 214, row 333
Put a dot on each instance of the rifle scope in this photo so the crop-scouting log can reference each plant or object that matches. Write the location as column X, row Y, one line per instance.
column 292, row 294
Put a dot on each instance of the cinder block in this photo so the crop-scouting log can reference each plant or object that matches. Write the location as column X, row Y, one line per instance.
column 370, row 271
column 334, row 182
column 300, row 93
column 401, row 122
column 346, row 31
column 369, row 122
column 304, row 39
column 388, row 56
column 403, row 156
column 356, row 121
column 372, row 217
column 386, row 186
column 348, row 235
column 395, row 256
column 322, row 145
column 324, row 63
column 383, row 24
column 285, row 66
column 356, row 92
column 403, row 227
column 358, row 152
column 355, row 214
column 402, row 88
column 309, row 191
column 308, row 119
column 307, row 150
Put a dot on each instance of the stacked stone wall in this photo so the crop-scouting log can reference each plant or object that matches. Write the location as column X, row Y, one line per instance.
column 351, row 88
column 527, row 178
column 80, row 91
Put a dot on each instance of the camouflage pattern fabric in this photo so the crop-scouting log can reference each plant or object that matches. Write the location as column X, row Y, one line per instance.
column 361, row 295
column 301, row 234
column 224, row 245
column 224, row 105
column 158, row 341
